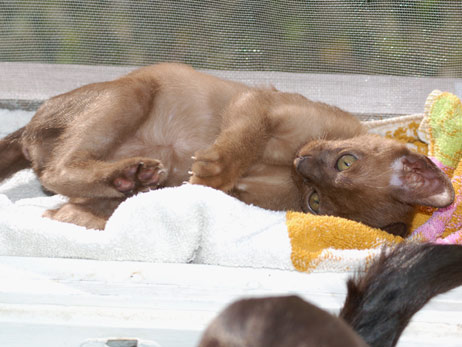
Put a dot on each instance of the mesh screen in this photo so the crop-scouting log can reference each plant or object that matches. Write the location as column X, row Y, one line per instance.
column 409, row 38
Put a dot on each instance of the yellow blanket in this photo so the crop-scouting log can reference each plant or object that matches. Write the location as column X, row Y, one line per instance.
column 316, row 239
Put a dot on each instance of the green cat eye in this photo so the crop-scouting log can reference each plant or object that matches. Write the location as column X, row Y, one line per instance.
column 345, row 162
column 313, row 202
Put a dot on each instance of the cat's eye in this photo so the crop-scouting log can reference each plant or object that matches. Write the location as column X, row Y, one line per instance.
column 313, row 202
column 345, row 161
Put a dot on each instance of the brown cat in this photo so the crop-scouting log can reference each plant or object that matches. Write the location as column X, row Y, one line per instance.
column 106, row 141
column 370, row 179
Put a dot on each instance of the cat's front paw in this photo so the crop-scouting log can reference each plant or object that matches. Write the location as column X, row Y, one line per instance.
column 214, row 169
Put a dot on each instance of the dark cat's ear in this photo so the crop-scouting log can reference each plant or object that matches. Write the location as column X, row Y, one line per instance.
column 398, row 229
column 416, row 180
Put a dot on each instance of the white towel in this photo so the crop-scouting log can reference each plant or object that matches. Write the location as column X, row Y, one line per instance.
column 182, row 224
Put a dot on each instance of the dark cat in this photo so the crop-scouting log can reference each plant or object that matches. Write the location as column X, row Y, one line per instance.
column 106, row 141
column 378, row 306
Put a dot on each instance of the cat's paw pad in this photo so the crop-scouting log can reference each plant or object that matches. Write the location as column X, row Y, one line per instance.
column 141, row 176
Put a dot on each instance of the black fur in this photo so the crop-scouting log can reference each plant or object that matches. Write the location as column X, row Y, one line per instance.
column 380, row 304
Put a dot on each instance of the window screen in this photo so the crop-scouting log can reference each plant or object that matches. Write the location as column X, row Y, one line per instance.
column 407, row 38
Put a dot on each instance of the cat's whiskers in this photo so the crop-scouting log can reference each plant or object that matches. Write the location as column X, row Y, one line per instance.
column 323, row 136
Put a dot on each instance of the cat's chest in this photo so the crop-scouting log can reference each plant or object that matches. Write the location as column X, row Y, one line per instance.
column 280, row 151
column 295, row 125
column 287, row 138
column 171, row 135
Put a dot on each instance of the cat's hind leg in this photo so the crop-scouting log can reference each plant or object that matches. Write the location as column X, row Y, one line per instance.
column 83, row 164
column 127, row 177
column 89, row 213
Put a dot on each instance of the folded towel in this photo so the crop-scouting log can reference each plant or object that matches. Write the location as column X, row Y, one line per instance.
column 183, row 224
column 190, row 223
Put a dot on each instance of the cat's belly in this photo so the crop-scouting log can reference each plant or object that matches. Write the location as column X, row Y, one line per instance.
column 173, row 139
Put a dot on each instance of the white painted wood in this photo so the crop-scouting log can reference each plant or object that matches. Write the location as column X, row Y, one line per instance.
column 65, row 302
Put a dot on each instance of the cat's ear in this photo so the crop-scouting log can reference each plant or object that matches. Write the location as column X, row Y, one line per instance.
column 416, row 180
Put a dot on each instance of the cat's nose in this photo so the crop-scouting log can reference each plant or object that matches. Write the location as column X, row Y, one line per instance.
column 302, row 164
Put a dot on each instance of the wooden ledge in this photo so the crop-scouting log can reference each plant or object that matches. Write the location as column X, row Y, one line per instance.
column 25, row 85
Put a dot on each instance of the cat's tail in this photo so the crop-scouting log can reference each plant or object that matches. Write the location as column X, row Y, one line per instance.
column 12, row 158
column 380, row 303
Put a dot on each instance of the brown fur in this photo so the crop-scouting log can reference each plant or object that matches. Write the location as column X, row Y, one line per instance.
column 12, row 158
column 278, row 321
column 103, row 142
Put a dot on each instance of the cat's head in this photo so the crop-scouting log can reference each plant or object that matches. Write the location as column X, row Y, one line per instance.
column 369, row 179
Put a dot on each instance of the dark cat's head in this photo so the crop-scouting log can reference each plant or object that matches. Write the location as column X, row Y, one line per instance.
column 369, row 179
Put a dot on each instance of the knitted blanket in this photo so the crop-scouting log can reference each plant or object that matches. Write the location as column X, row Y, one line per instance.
column 442, row 127
column 202, row 225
